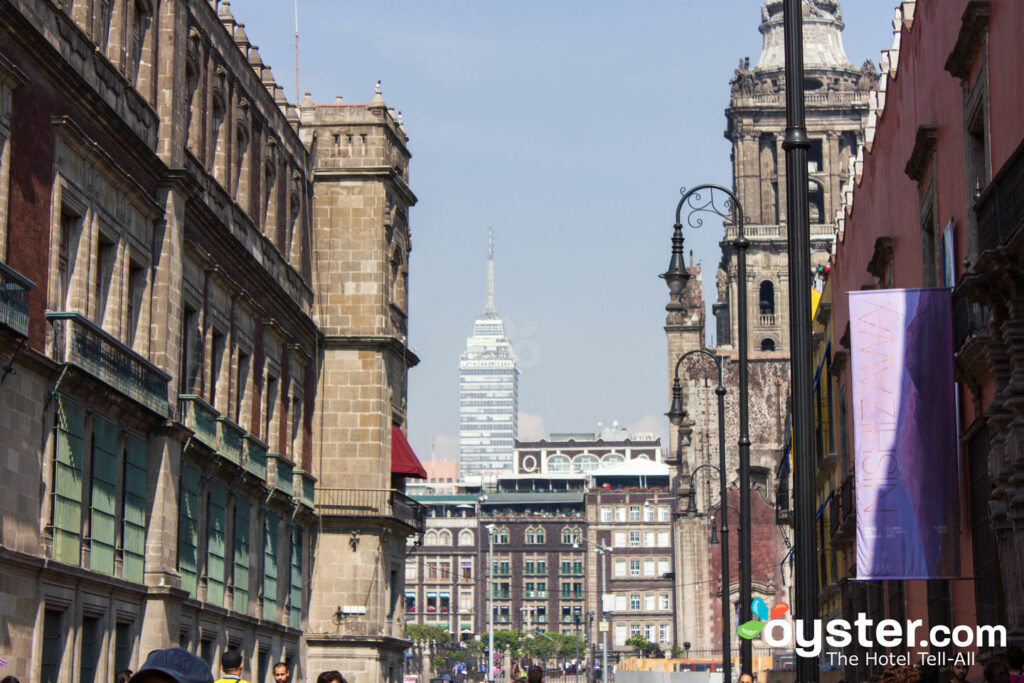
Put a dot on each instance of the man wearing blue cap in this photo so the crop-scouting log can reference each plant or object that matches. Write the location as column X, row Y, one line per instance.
column 231, row 665
column 175, row 665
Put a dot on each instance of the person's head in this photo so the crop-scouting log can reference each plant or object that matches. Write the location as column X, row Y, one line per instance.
column 960, row 672
column 9, row 679
column 123, row 676
column 535, row 674
column 1015, row 657
column 996, row 672
column 231, row 662
column 281, row 673
column 746, row 678
column 928, row 673
column 330, row 677
column 174, row 665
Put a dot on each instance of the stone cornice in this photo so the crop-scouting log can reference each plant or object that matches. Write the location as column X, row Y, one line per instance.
column 973, row 27
column 924, row 147
column 375, row 343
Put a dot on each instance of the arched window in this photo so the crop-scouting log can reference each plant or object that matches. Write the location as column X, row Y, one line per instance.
column 567, row 536
column 767, row 344
column 767, row 299
column 501, row 536
column 465, row 537
column 577, row 536
column 444, row 537
column 611, row 459
column 584, row 463
column 558, row 464
column 430, row 538
column 540, row 536
column 530, row 538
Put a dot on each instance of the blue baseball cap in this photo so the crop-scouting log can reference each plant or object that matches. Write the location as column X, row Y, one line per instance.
column 178, row 663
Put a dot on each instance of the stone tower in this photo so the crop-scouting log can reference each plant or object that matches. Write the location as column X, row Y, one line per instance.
column 361, row 197
column 837, row 109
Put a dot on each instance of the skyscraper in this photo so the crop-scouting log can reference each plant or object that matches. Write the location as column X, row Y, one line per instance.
column 488, row 393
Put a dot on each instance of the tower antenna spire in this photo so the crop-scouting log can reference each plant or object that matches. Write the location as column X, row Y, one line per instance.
column 489, row 309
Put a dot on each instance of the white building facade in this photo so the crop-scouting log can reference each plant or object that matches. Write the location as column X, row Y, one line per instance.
column 488, row 395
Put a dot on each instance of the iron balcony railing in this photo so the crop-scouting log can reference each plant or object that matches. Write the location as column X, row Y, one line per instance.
column 968, row 320
column 1000, row 209
column 80, row 342
column 384, row 503
column 14, row 289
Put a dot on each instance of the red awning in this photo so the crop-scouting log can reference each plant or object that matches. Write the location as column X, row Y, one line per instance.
column 403, row 460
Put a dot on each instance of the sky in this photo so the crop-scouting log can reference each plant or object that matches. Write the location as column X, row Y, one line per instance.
column 567, row 126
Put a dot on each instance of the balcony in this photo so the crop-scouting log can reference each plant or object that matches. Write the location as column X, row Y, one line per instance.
column 255, row 457
column 766, row 320
column 79, row 342
column 569, row 595
column 230, row 440
column 1000, row 209
column 305, row 484
column 371, row 503
column 200, row 417
column 501, row 595
column 280, row 473
column 14, row 289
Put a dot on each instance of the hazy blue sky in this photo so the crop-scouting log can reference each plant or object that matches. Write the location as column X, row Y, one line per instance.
column 569, row 128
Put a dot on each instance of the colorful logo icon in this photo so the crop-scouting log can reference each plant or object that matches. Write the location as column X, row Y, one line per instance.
column 753, row 628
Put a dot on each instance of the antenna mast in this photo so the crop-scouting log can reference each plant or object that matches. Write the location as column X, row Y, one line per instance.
column 296, row 52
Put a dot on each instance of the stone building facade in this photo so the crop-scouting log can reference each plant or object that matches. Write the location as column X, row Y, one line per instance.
column 204, row 342
column 838, row 96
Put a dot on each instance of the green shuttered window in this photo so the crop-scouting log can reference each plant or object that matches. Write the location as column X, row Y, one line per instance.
column 67, row 481
column 241, row 573
column 188, row 527
column 295, row 597
column 103, row 508
column 134, row 524
column 215, row 550
column 270, row 538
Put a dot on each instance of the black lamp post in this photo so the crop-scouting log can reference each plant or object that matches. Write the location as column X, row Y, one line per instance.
column 796, row 145
column 717, row 200
column 677, row 416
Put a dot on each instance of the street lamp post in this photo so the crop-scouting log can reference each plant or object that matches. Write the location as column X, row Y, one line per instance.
column 798, row 222
column 677, row 415
column 715, row 199
column 602, row 550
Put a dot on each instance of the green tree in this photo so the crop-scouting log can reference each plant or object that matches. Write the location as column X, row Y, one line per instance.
column 643, row 647
column 540, row 646
column 508, row 640
column 427, row 633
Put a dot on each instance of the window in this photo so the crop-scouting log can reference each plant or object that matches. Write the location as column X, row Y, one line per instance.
column 102, row 522
column 620, row 514
column 92, row 641
column 585, row 463
column 501, row 537
column 567, row 536
column 188, row 527
column 216, row 551
column 648, row 513
column 649, row 602
column 102, row 277
column 134, row 300
column 558, row 464
column 663, row 567
column 634, row 630
column 465, row 537
column 140, row 21
column 465, row 600
column 217, row 346
column 665, row 602
column 620, row 539
column 620, row 603
column 606, row 513
column 620, row 567
column 123, row 645
column 530, row 538
column 270, row 540
column 634, row 567
column 649, row 537
column 634, row 513
column 444, row 537
column 68, row 465
column 240, row 575
column 620, row 635
column 767, row 344
column 53, row 646
column 649, row 632
column 241, row 416
column 767, row 303
column 634, row 539
column 295, row 590
column 410, row 569
column 648, row 567
column 664, row 539
column 269, row 414
column 540, row 536
column 663, row 513
column 70, row 228
column 663, row 636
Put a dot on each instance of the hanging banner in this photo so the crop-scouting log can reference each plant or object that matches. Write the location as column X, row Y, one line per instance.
column 904, row 421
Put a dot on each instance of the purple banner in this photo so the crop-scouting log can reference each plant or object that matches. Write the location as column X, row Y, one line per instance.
column 905, row 440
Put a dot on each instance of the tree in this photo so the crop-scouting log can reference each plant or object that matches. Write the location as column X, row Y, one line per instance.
column 643, row 647
column 508, row 640
column 427, row 633
column 539, row 646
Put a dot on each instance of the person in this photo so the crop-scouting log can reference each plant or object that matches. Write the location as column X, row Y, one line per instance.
column 123, row 676
column 746, row 678
column 996, row 672
column 282, row 674
column 960, row 672
column 1015, row 663
column 231, row 666
column 174, row 665
column 330, row 677
column 928, row 673
column 9, row 679
column 535, row 675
